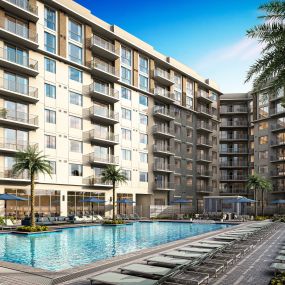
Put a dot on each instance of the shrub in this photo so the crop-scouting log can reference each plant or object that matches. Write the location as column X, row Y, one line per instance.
column 117, row 222
column 261, row 218
column 2, row 219
column 30, row 229
column 278, row 280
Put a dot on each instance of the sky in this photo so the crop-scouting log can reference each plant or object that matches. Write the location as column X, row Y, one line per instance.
column 207, row 35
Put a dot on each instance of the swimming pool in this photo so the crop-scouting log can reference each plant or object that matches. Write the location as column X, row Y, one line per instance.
column 83, row 245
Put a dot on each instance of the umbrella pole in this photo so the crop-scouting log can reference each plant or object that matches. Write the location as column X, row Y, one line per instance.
column 5, row 212
column 92, row 213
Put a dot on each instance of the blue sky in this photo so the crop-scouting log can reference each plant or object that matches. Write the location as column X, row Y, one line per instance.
column 207, row 35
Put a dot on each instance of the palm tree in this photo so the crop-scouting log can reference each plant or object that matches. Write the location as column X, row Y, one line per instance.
column 114, row 175
column 256, row 182
column 269, row 70
column 33, row 162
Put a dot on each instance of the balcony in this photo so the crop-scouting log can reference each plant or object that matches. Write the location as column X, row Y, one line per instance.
column 102, row 115
column 162, row 150
column 278, row 173
column 234, row 151
column 163, row 132
column 163, row 77
column 162, row 167
column 204, row 173
column 242, row 191
column 103, row 70
column 104, row 48
column 279, row 188
column 93, row 158
column 204, row 96
column 101, row 92
column 23, row 9
column 18, row 34
column 234, row 178
column 203, row 110
column 18, row 63
column 277, row 158
column 204, row 127
column 276, row 112
column 236, row 124
column 163, row 113
column 203, row 142
column 234, row 164
column 204, row 189
column 17, row 91
column 233, row 110
column 96, row 181
column 164, row 186
column 204, row 158
column 101, row 138
column 234, row 138
column 163, row 95
column 278, row 127
column 7, row 176
column 18, row 119
column 13, row 146
column 278, row 143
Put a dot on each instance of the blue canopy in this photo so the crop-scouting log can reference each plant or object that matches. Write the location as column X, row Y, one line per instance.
column 239, row 200
column 125, row 201
column 10, row 197
column 181, row 201
column 92, row 200
column 278, row 202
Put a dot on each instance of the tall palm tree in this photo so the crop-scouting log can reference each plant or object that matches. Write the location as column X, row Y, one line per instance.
column 32, row 161
column 257, row 182
column 269, row 70
column 114, row 175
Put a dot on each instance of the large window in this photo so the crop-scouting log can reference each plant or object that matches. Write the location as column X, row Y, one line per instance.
column 50, row 18
column 143, row 83
column 50, row 44
column 143, row 176
column 53, row 166
column 75, row 74
column 143, row 138
column 126, row 154
column 143, row 157
column 126, row 134
column 126, row 56
column 126, row 114
column 143, row 64
column 75, row 122
column 16, row 139
column 143, row 100
column 263, row 140
column 50, row 141
column 143, row 119
column 75, row 146
column 16, row 83
column 50, row 65
column 17, row 55
column 50, row 116
column 50, row 91
column 126, row 75
column 75, row 98
column 75, row 31
column 127, row 174
column 16, row 111
column 75, row 169
column 126, row 93
column 75, row 53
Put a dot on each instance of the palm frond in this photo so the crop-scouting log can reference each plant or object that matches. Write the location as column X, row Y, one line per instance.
column 113, row 174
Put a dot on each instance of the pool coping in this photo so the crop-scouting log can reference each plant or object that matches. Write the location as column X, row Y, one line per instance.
column 57, row 277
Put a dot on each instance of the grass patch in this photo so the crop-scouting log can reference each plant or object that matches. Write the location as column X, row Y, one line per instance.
column 29, row 229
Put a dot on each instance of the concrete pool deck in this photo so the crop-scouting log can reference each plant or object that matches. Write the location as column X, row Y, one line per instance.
column 16, row 274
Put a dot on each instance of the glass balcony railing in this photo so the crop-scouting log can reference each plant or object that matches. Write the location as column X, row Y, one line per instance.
column 164, row 185
column 13, row 145
column 163, row 111
column 93, row 134
column 164, row 93
column 97, row 87
column 163, row 130
column 106, row 159
column 103, row 66
column 25, row 5
column 161, row 148
column 103, row 112
column 96, row 40
column 163, row 73
column 234, row 177
column 20, row 117
column 8, row 174
column 96, row 180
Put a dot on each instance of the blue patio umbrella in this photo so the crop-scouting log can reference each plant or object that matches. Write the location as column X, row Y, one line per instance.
column 125, row 201
column 239, row 200
column 180, row 202
column 10, row 197
column 93, row 200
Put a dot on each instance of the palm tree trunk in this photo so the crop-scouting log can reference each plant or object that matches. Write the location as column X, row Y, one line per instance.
column 114, row 194
column 255, row 204
column 33, row 224
column 262, row 202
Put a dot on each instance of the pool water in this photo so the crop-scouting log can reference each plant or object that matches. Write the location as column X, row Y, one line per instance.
column 80, row 246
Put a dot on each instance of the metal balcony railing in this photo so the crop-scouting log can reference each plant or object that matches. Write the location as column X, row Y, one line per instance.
column 93, row 134
column 234, row 177
column 157, row 166
column 226, row 110
column 164, row 185
column 161, row 148
column 234, row 150
column 234, row 164
column 234, row 137
column 234, row 124
column 163, row 111
column 163, row 129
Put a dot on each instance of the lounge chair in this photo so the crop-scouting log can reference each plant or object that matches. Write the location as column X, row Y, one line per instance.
column 44, row 221
column 280, row 257
column 195, row 249
column 209, row 268
column 183, row 254
column 114, row 278
column 154, row 272
column 206, row 245
column 166, row 261
column 190, row 277
column 278, row 267
column 8, row 224
column 226, row 261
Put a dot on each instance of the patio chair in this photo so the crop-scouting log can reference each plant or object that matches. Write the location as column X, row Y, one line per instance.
column 278, row 267
column 160, row 260
column 114, row 278
column 190, row 277
column 209, row 268
column 195, row 249
column 183, row 254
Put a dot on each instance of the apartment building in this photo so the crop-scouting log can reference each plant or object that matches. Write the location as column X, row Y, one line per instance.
column 89, row 94
column 252, row 139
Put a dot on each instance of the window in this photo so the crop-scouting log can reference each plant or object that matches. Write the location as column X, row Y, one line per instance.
column 213, row 96
column 53, row 166
column 50, row 91
column 75, row 74
column 75, row 53
column 143, row 157
column 16, row 83
column 126, row 75
column 143, row 176
column 177, row 81
column 50, row 65
column 177, row 96
column 143, row 64
column 263, row 125
column 189, row 87
column 50, row 141
column 17, row 55
column 143, row 138
column 75, row 31
column 126, row 56
column 75, row 146
column 75, row 98
column 50, row 45
column 126, row 93
column 143, row 83
column 75, row 122
column 263, row 140
column 75, row 169
column 263, row 154
column 50, row 116
column 16, row 137
column 143, row 119
column 50, row 18
column 143, row 100
column 126, row 114
column 127, row 174
column 126, row 154
column 126, row 134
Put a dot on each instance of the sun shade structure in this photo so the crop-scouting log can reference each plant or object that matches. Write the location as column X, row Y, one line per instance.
column 10, row 197
column 181, row 202
column 93, row 200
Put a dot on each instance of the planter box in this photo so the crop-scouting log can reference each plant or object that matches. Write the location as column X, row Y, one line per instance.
column 35, row 233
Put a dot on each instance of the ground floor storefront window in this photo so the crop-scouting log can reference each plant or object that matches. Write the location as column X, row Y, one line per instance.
column 125, row 208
